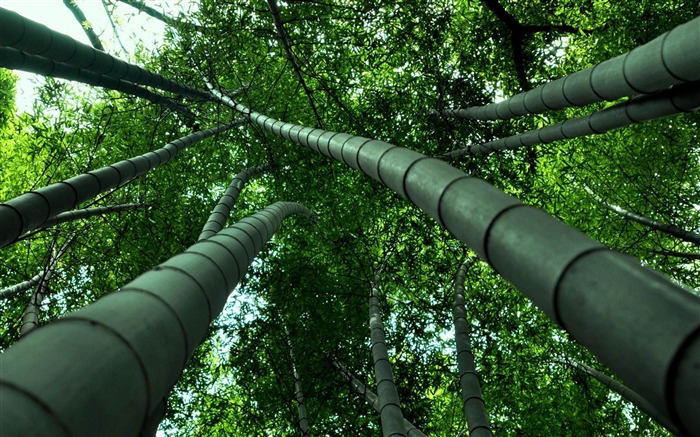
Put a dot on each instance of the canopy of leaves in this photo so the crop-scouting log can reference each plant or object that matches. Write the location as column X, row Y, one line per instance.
column 374, row 69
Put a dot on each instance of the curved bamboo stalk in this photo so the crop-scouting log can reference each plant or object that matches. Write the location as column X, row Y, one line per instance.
column 671, row 230
column 472, row 400
column 623, row 391
column 389, row 405
column 217, row 218
column 576, row 281
column 14, row 59
column 121, row 354
column 84, row 23
column 372, row 399
column 84, row 213
column 668, row 60
column 30, row 210
column 36, row 39
column 676, row 100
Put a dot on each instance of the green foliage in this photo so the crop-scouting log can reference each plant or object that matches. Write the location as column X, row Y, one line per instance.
column 376, row 70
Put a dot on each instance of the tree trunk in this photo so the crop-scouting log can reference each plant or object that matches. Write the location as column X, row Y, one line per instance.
column 218, row 217
column 576, row 281
column 389, row 406
column 29, row 211
column 472, row 400
column 20, row 33
column 668, row 60
column 675, row 100
column 14, row 59
column 298, row 392
column 120, row 355
column 18, row 288
column 372, row 399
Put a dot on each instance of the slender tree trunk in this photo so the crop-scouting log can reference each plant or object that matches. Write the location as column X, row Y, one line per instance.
column 123, row 353
column 84, row 213
column 20, row 33
column 623, row 391
column 31, row 210
column 20, row 287
column 645, row 69
column 298, row 392
column 284, row 41
column 472, row 400
column 372, row 399
column 671, row 230
column 218, row 217
column 576, row 281
column 389, row 405
column 14, row 59
column 675, row 100
column 84, row 23
column 30, row 318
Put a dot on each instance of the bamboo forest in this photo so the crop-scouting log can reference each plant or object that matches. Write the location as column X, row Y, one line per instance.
column 351, row 218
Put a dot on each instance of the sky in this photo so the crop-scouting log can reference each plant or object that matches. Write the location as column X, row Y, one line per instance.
column 133, row 28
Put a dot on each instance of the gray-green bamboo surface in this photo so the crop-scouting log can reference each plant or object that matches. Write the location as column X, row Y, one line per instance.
column 14, row 59
column 473, row 403
column 36, row 39
column 678, row 99
column 118, row 357
column 598, row 295
column 84, row 213
column 670, row 59
column 372, row 399
column 217, row 218
column 30, row 210
column 389, row 406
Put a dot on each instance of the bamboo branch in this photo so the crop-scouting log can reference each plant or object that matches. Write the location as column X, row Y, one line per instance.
column 623, row 391
column 284, row 40
column 84, row 23
column 672, row 230
column 142, row 7
column 79, row 214
column 18, row 288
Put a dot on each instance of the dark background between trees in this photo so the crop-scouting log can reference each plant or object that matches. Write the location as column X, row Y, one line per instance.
column 374, row 70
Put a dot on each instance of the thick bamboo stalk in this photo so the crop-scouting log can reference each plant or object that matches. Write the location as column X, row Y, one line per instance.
column 372, row 399
column 217, row 218
column 676, row 100
column 14, row 59
column 80, row 214
column 30, row 210
column 596, row 294
column 389, row 405
column 104, row 369
column 623, row 391
column 36, row 39
column 472, row 401
column 667, row 60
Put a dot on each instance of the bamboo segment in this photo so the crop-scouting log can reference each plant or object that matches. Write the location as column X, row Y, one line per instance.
column 676, row 100
column 30, row 210
column 36, row 39
column 104, row 370
column 667, row 60
column 14, row 59
column 596, row 294
column 472, row 400
column 218, row 217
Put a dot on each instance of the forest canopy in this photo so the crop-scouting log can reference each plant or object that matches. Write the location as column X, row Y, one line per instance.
column 384, row 70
